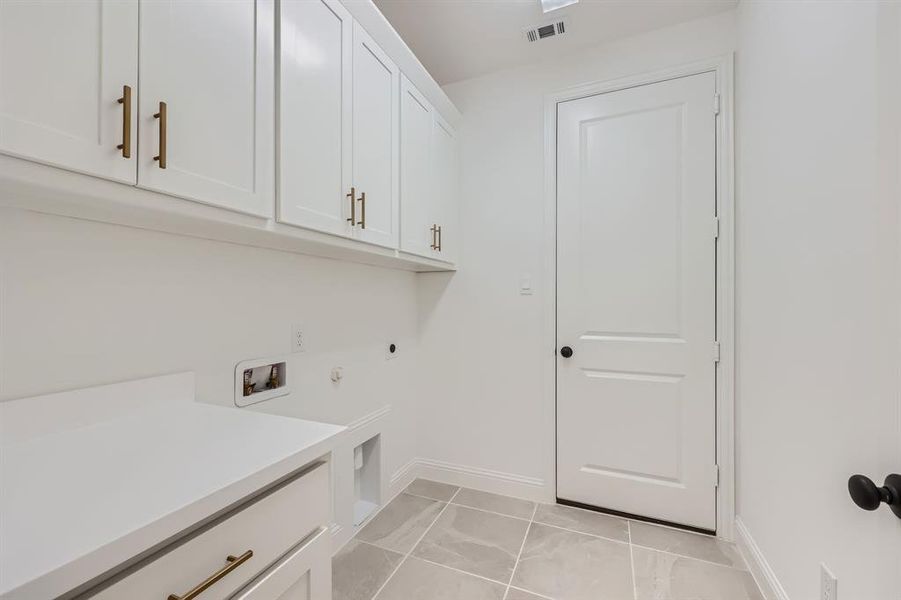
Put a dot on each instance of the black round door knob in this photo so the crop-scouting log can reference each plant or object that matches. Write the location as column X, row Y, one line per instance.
column 868, row 496
column 566, row 351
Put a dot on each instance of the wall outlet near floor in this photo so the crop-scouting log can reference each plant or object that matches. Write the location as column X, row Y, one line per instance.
column 828, row 584
column 297, row 339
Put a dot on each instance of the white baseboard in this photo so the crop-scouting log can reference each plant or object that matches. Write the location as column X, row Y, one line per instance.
column 402, row 478
column 498, row 482
column 763, row 574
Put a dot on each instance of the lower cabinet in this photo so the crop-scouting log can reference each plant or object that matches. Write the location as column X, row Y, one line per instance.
column 304, row 574
column 278, row 542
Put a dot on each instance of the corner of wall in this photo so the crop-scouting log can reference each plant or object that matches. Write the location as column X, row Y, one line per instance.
column 760, row 569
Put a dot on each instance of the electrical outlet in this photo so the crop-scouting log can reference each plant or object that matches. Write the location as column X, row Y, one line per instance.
column 297, row 339
column 828, row 584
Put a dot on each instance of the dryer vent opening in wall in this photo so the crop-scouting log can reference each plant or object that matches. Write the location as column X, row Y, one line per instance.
column 547, row 30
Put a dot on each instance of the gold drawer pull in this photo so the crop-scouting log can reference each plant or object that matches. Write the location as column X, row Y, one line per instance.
column 164, row 121
column 439, row 238
column 362, row 222
column 233, row 563
column 125, row 101
column 434, row 230
column 352, row 219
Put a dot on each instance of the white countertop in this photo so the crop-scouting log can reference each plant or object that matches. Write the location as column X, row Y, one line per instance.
column 78, row 499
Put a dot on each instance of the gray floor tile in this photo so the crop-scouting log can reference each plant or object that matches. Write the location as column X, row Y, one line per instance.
column 584, row 521
column 515, row 594
column 400, row 524
column 660, row 576
column 360, row 569
column 693, row 545
column 419, row 580
column 572, row 566
column 467, row 553
column 474, row 541
column 432, row 489
column 495, row 503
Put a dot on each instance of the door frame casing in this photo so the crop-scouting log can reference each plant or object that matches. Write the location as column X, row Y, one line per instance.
column 722, row 67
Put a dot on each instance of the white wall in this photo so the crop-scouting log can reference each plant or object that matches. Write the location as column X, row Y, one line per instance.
column 485, row 355
column 85, row 303
column 818, row 288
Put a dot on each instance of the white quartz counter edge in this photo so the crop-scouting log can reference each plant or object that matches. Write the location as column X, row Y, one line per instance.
column 50, row 581
column 147, row 537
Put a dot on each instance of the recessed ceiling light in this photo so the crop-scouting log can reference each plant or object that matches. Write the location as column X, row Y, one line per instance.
column 549, row 5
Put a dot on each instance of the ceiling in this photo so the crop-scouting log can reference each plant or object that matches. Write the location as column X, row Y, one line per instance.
column 461, row 39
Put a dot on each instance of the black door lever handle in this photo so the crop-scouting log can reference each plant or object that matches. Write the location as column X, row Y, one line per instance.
column 869, row 497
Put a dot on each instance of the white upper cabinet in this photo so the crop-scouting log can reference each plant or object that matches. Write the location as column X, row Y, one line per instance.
column 445, row 180
column 428, row 168
column 315, row 72
column 189, row 98
column 375, row 141
column 418, row 219
column 63, row 68
column 206, row 102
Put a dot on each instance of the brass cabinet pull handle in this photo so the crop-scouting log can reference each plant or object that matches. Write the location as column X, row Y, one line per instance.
column 125, row 101
column 362, row 222
column 162, row 116
column 439, row 238
column 434, row 230
column 353, row 206
column 233, row 563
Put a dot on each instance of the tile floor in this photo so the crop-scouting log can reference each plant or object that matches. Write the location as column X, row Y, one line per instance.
column 439, row 542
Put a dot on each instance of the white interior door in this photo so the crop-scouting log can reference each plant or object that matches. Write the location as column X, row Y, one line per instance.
column 416, row 193
column 315, row 73
column 636, row 275
column 375, row 141
column 63, row 66
column 211, row 63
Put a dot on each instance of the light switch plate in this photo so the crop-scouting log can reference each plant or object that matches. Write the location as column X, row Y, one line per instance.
column 828, row 584
column 525, row 284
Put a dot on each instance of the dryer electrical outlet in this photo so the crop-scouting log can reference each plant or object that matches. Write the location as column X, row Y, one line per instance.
column 297, row 339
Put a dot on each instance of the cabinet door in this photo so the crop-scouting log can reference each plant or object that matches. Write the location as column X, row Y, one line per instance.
column 445, row 182
column 417, row 202
column 375, row 144
column 211, row 63
column 63, row 66
column 315, row 71
column 304, row 574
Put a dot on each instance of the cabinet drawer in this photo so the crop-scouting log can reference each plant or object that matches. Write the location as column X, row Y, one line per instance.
column 304, row 574
column 268, row 526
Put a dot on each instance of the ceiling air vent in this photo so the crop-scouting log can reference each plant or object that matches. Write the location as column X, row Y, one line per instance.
column 540, row 32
